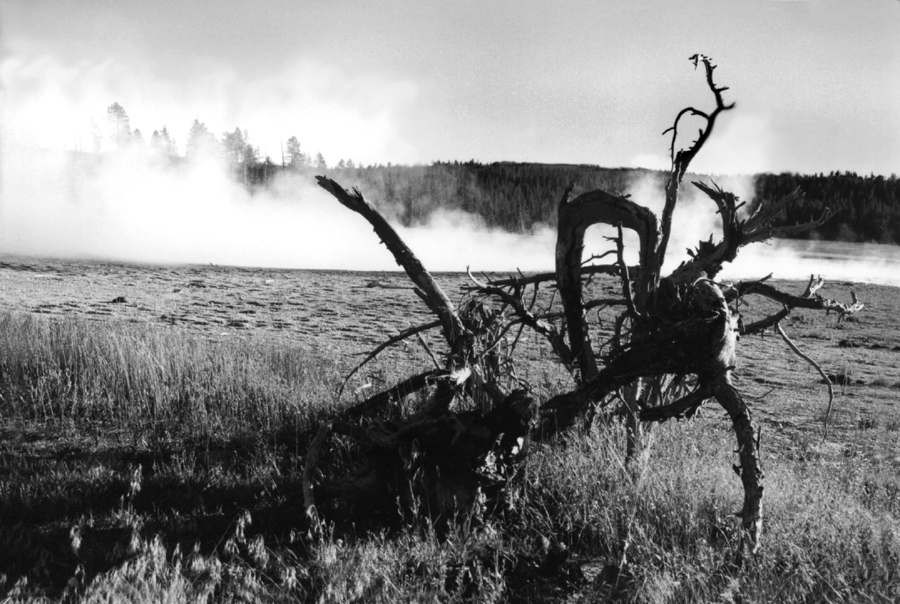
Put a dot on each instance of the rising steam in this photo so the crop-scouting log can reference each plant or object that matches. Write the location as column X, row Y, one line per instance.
column 56, row 199
column 131, row 206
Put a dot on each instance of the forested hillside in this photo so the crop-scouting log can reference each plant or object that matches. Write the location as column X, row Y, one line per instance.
column 866, row 208
column 510, row 196
column 515, row 197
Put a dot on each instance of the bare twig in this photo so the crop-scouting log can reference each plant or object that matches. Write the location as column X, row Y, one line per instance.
column 590, row 305
column 796, row 350
column 626, row 279
column 760, row 397
column 378, row 401
column 815, row 302
column 683, row 407
column 764, row 324
column 605, row 269
column 390, row 342
column 593, row 257
column 548, row 330
column 427, row 348
column 814, row 285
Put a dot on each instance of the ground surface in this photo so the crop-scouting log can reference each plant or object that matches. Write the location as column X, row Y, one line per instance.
column 337, row 315
column 342, row 314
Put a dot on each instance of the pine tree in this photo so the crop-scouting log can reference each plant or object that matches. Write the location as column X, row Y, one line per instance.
column 200, row 141
column 119, row 125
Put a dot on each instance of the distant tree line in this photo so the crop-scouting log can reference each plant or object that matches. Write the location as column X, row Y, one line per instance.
column 517, row 197
column 514, row 197
column 865, row 208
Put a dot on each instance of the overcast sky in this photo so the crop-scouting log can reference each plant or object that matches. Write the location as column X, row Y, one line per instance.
column 817, row 84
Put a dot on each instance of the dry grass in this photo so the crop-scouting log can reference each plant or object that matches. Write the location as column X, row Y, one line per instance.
column 128, row 375
column 141, row 462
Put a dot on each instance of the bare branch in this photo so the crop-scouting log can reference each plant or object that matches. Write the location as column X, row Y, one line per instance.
column 814, row 285
column 428, row 290
column 708, row 258
column 525, row 316
column 825, row 377
column 750, row 469
column 815, row 302
column 376, row 403
column 684, row 407
column 623, row 271
column 593, row 257
column 595, row 207
column 763, row 324
column 682, row 159
column 604, row 269
column 427, row 348
column 390, row 342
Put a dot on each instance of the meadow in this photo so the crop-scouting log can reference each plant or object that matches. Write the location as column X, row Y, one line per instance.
column 155, row 420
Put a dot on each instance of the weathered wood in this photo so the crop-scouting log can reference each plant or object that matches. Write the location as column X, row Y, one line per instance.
column 596, row 269
column 681, row 161
column 709, row 258
column 430, row 292
column 825, row 377
column 815, row 302
column 526, row 317
column 749, row 469
column 573, row 219
column 458, row 338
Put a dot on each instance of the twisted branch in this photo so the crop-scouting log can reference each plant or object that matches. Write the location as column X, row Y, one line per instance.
column 682, row 159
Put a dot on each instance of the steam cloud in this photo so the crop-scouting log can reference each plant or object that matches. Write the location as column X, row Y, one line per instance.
column 132, row 206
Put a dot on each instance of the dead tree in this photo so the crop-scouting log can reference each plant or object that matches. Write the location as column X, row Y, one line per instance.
column 672, row 348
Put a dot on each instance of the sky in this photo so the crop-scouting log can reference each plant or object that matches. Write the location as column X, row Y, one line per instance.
column 816, row 86
column 817, row 83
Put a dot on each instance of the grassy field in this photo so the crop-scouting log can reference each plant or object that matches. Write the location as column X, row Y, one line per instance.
column 152, row 450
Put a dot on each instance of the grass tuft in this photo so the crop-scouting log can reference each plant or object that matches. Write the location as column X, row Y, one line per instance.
column 135, row 376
